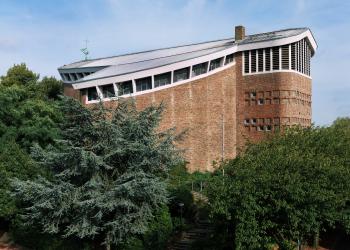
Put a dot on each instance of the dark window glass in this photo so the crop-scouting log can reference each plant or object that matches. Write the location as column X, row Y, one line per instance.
column 293, row 55
column 108, row 91
column 260, row 60
column 125, row 88
column 162, row 79
column 229, row 59
column 267, row 59
column 92, row 94
column 246, row 62
column 214, row 64
column 181, row 74
column 276, row 58
column 253, row 58
column 285, row 57
column 143, row 84
column 199, row 69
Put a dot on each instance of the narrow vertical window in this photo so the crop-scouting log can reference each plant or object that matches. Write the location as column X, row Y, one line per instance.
column 260, row 60
column 285, row 57
column 293, row 55
column 267, row 59
column 276, row 58
column 246, row 62
column 253, row 63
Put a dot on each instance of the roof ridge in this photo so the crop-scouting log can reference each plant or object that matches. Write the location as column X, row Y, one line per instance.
column 147, row 51
column 281, row 30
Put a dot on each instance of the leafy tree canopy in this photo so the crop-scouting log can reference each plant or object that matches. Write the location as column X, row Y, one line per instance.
column 108, row 170
column 27, row 116
column 19, row 75
column 286, row 189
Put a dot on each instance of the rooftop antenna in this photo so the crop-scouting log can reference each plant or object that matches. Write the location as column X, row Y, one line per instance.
column 85, row 50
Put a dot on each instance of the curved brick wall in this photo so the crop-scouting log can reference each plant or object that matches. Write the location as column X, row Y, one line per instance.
column 213, row 110
column 287, row 101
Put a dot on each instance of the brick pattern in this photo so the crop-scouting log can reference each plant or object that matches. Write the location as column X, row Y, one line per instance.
column 223, row 111
column 202, row 107
column 274, row 100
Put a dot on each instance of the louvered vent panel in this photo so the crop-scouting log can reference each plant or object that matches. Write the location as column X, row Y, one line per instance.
column 253, row 58
column 246, row 62
column 267, row 59
column 276, row 58
column 285, row 57
column 293, row 55
column 260, row 60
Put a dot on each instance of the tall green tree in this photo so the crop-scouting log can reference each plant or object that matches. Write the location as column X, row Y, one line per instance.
column 287, row 189
column 108, row 174
column 28, row 115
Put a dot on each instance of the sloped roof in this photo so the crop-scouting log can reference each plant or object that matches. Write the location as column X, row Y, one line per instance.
column 124, row 64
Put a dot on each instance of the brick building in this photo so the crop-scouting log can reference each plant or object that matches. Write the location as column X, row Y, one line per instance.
column 224, row 92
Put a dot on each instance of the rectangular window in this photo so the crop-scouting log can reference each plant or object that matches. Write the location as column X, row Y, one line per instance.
column 285, row 57
column 181, row 74
column 267, row 59
column 293, row 55
column 253, row 58
column 108, row 91
column 246, row 121
column 260, row 60
column 246, row 62
column 199, row 69
column 275, row 58
column 260, row 101
column 125, row 88
column 143, row 84
column 260, row 128
column 214, row 64
column 229, row 59
column 162, row 79
column 92, row 94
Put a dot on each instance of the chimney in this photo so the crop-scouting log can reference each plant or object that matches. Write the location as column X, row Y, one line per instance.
column 239, row 33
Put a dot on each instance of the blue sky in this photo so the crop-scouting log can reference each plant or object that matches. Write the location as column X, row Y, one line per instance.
column 48, row 34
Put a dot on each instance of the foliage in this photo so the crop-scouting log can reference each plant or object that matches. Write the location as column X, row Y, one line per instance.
column 286, row 189
column 19, row 75
column 108, row 169
column 27, row 116
column 51, row 87
column 14, row 162
column 159, row 230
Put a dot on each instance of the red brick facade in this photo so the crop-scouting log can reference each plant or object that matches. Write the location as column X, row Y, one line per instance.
column 213, row 109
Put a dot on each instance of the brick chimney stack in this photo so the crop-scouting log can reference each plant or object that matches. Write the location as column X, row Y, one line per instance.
column 239, row 33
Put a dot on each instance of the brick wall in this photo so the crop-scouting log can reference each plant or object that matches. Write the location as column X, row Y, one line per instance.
column 213, row 110
column 286, row 101
column 199, row 107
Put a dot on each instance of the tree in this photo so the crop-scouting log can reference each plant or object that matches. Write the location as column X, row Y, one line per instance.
column 287, row 189
column 108, row 169
column 19, row 75
column 27, row 116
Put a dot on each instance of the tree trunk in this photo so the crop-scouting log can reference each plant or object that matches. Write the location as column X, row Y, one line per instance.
column 108, row 246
